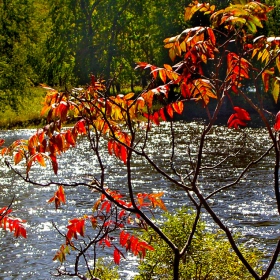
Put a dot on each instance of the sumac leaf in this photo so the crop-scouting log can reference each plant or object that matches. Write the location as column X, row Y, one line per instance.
column 2, row 141
column 170, row 110
column 277, row 122
column 123, row 154
column 18, row 157
column 117, row 256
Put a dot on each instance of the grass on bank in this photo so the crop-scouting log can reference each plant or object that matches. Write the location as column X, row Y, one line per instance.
column 27, row 113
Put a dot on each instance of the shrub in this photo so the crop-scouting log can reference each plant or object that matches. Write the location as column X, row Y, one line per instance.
column 210, row 255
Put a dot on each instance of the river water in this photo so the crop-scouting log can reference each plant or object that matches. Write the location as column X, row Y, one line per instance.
column 248, row 207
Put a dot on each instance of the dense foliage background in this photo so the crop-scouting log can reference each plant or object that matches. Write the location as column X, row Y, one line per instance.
column 60, row 42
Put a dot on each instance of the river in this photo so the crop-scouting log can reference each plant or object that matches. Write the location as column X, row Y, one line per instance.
column 249, row 207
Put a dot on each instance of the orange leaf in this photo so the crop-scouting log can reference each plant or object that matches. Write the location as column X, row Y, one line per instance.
column 148, row 97
column 69, row 138
column 4, row 151
column 18, row 157
column 61, row 194
column 265, row 77
column 178, row 107
column 39, row 157
column 58, row 198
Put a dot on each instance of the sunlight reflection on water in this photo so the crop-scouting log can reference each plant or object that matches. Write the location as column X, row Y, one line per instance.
column 248, row 207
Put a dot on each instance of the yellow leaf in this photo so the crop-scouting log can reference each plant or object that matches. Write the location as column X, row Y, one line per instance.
column 275, row 91
column 129, row 96
column 278, row 63
column 172, row 54
column 162, row 75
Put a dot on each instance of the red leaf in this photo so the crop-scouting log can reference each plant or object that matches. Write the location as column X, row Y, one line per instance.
column 162, row 115
column 170, row 110
column 124, row 236
column 242, row 114
column 234, row 89
column 69, row 138
column 76, row 226
column 13, row 224
column 54, row 163
column 123, row 154
column 110, row 147
column 107, row 242
column 239, row 118
column 117, row 256
column 2, row 141
column 155, row 118
column 4, row 151
column 59, row 141
column 106, row 205
column 116, row 148
column 122, row 213
column 277, row 122
column 80, row 127
column 236, row 123
column 185, row 91
column 80, row 227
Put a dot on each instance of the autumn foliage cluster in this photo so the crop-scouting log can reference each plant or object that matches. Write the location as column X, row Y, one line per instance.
column 212, row 64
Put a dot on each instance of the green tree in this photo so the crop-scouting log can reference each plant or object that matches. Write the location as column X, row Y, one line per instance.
column 105, row 37
column 21, row 49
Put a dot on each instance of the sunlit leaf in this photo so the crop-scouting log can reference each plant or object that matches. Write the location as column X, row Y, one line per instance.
column 18, row 157
column 275, row 90
column 129, row 96
column 148, row 97
column 266, row 76
column 162, row 75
